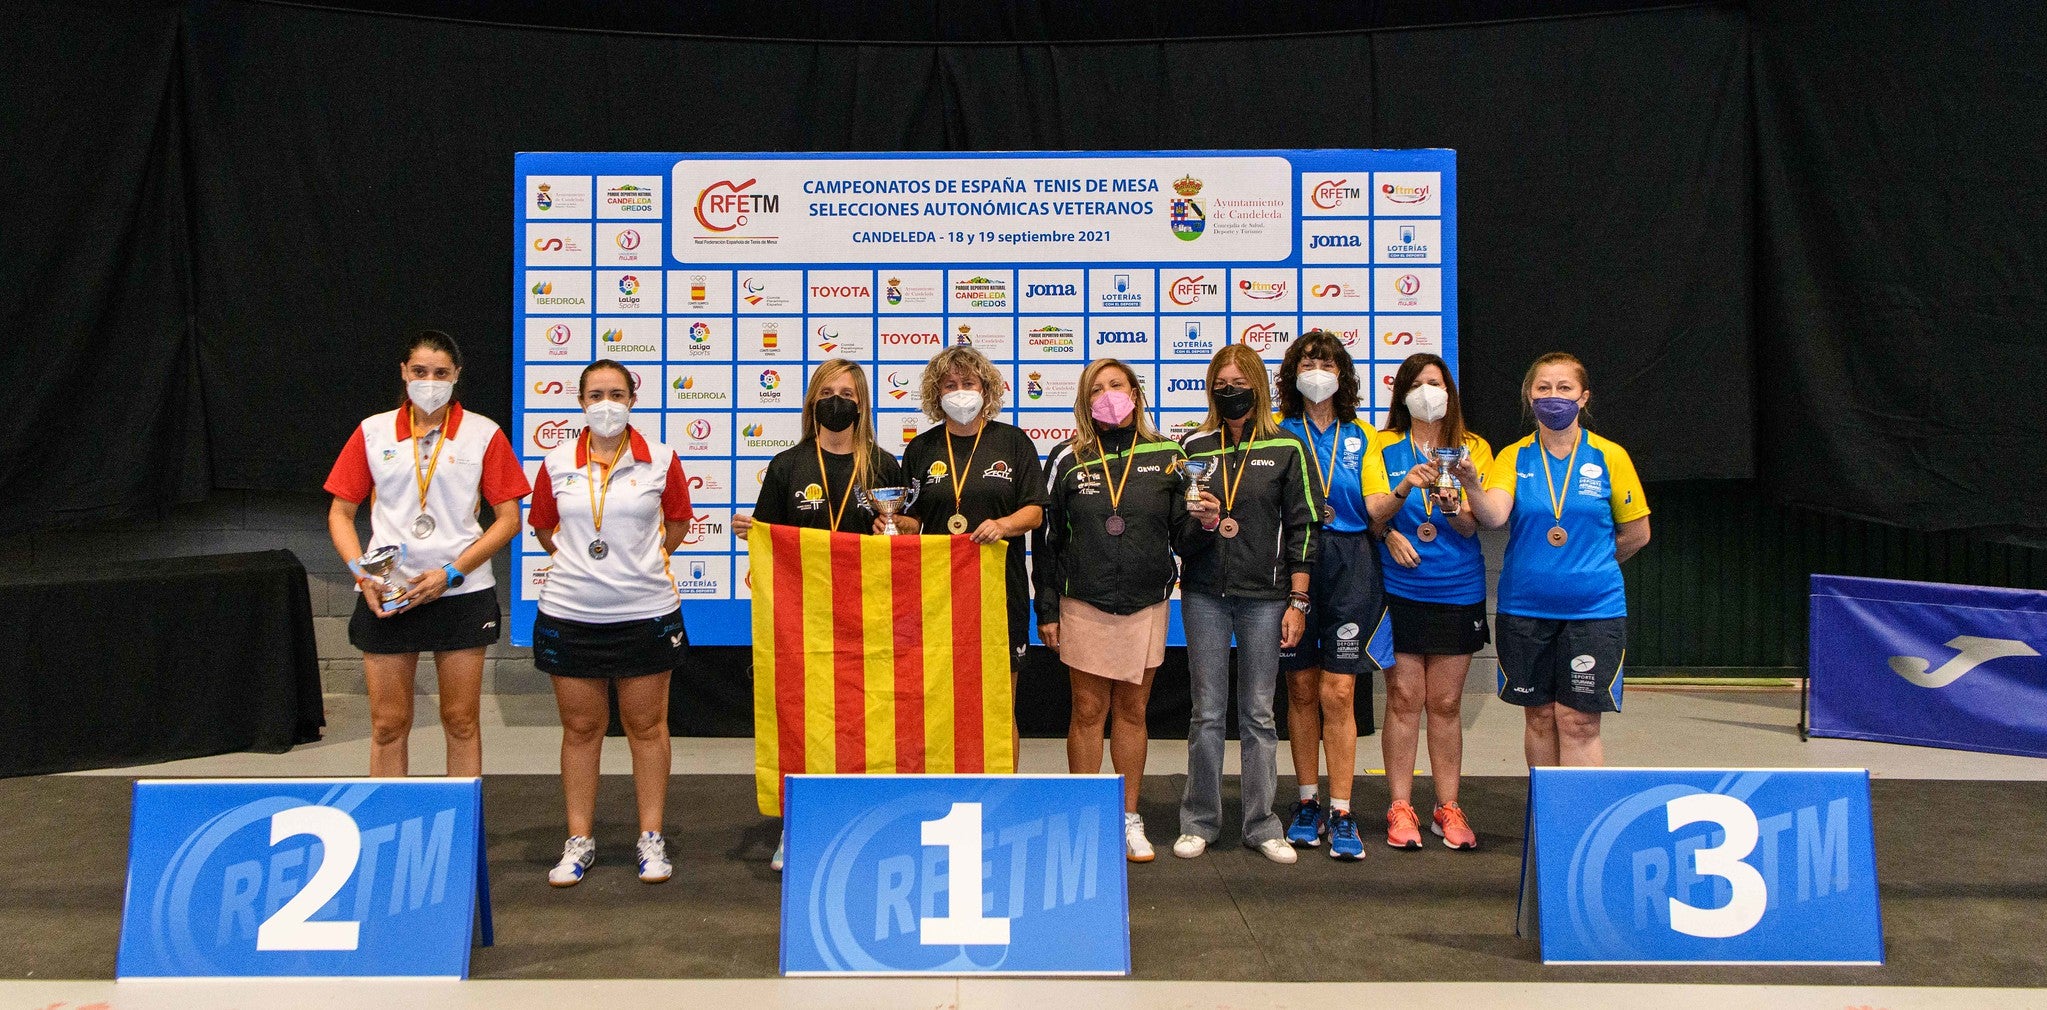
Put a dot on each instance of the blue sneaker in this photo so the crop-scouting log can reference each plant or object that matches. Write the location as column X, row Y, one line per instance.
column 1304, row 824
column 1344, row 842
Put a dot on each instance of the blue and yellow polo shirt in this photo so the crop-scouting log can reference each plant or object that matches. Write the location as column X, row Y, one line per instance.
column 1599, row 490
column 1452, row 568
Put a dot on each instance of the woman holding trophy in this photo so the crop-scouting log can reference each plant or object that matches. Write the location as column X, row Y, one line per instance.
column 1115, row 511
column 609, row 508
column 1574, row 510
column 1250, row 582
column 425, row 469
column 1318, row 399
column 1435, row 590
column 980, row 477
column 822, row 482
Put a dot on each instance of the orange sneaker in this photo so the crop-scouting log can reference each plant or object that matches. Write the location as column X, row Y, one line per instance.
column 1450, row 826
column 1403, row 826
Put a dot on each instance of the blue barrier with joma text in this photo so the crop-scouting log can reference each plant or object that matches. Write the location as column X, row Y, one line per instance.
column 304, row 878
column 955, row 875
column 1660, row 865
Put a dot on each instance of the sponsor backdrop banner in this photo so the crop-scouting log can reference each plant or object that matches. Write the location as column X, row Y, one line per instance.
column 1929, row 663
column 722, row 280
column 1735, row 866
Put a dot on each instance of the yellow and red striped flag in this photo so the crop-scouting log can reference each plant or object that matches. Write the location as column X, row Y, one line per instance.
column 878, row 655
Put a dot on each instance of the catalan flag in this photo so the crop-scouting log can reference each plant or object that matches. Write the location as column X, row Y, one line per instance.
column 877, row 655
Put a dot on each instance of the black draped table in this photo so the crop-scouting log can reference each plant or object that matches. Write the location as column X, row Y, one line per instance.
column 144, row 661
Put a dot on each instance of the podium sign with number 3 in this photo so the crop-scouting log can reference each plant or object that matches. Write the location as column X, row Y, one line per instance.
column 955, row 875
column 1637, row 865
column 303, row 877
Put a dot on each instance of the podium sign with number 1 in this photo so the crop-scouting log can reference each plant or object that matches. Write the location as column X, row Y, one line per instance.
column 955, row 875
column 304, row 877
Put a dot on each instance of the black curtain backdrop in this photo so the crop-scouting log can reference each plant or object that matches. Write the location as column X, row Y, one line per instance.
column 1765, row 227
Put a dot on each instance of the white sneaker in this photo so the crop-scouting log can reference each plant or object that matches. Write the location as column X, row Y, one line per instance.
column 578, row 854
column 1189, row 846
column 1137, row 847
column 654, row 865
column 781, row 847
column 1279, row 851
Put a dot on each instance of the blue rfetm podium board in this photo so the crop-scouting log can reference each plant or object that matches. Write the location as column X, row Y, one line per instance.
column 304, row 878
column 1745, row 866
column 955, row 875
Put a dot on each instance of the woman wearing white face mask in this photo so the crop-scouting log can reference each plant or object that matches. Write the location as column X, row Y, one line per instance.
column 1318, row 400
column 610, row 508
column 1435, row 591
column 1575, row 510
column 426, row 468
column 981, row 477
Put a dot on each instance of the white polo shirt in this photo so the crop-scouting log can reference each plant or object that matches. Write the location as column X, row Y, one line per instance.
column 631, row 582
column 476, row 466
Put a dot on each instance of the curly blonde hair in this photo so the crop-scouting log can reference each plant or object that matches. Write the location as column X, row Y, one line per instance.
column 961, row 359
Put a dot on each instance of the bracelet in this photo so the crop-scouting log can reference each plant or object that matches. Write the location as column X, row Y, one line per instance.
column 1297, row 595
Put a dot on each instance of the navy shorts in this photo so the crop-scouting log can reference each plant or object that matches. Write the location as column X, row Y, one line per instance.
column 1576, row 664
column 1345, row 605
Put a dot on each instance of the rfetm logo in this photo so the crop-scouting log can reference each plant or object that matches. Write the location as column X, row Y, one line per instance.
column 1330, row 194
column 551, row 434
column 725, row 205
column 1263, row 335
column 1189, row 290
column 1971, row 652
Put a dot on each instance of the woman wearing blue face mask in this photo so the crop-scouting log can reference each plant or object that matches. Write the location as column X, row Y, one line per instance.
column 1574, row 511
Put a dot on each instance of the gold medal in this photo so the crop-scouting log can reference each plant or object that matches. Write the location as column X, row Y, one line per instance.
column 1557, row 536
column 957, row 524
column 1228, row 528
column 1427, row 532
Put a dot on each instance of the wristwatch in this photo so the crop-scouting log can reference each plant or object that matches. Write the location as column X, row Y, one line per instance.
column 1298, row 604
column 454, row 575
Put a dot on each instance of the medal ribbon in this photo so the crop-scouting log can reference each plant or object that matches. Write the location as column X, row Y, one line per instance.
column 1326, row 475
column 959, row 481
column 1229, row 486
column 1414, row 459
column 1115, row 487
column 432, row 464
column 1556, row 501
column 825, row 479
column 610, row 469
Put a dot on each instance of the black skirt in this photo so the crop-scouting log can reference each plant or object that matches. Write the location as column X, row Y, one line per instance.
column 1437, row 629
column 463, row 621
column 565, row 648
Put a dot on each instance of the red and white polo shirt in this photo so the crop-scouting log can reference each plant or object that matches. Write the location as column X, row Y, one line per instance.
column 631, row 582
column 476, row 466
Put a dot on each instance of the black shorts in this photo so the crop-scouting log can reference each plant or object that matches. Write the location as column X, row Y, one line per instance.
column 1421, row 628
column 1345, row 605
column 1574, row 663
column 463, row 621
column 565, row 648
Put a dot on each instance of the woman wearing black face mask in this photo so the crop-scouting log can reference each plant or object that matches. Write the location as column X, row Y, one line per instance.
column 1250, row 583
column 811, row 483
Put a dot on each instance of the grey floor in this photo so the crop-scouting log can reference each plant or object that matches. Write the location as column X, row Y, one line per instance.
column 1960, row 909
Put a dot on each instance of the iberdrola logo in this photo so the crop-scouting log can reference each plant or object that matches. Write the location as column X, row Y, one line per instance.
column 1189, row 217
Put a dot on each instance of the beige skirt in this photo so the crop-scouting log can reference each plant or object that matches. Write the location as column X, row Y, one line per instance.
column 1107, row 645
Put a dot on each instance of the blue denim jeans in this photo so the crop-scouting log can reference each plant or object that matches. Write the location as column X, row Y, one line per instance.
column 1210, row 622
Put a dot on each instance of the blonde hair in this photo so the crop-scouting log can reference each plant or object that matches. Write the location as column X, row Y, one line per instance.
column 863, row 422
column 1259, row 423
column 961, row 359
column 1085, row 435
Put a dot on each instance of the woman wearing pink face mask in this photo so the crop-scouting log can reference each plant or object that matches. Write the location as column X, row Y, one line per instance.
column 1115, row 511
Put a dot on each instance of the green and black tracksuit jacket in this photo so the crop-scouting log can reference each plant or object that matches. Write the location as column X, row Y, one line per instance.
column 1275, row 507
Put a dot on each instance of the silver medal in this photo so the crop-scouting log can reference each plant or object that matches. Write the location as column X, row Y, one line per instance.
column 423, row 527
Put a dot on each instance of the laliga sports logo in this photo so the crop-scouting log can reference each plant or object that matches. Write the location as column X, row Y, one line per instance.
column 628, row 284
column 699, row 332
column 725, row 205
column 1972, row 652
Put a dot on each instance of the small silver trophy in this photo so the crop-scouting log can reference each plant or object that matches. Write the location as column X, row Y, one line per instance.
column 386, row 567
column 1197, row 475
column 1447, row 457
column 888, row 502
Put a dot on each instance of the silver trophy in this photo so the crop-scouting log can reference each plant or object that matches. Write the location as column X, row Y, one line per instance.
column 1197, row 475
column 888, row 502
column 1446, row 458
column 386, row 567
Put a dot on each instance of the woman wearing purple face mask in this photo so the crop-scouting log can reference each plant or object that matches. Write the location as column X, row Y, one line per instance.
column 1115, row 511
column 1574, row 511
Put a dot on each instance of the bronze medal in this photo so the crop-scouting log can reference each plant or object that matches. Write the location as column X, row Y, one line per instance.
column 957, row 524
column 1427, row 532
column 1114, row 525
column 1557, row 536
column 1228, row 528
column 1328, row 514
